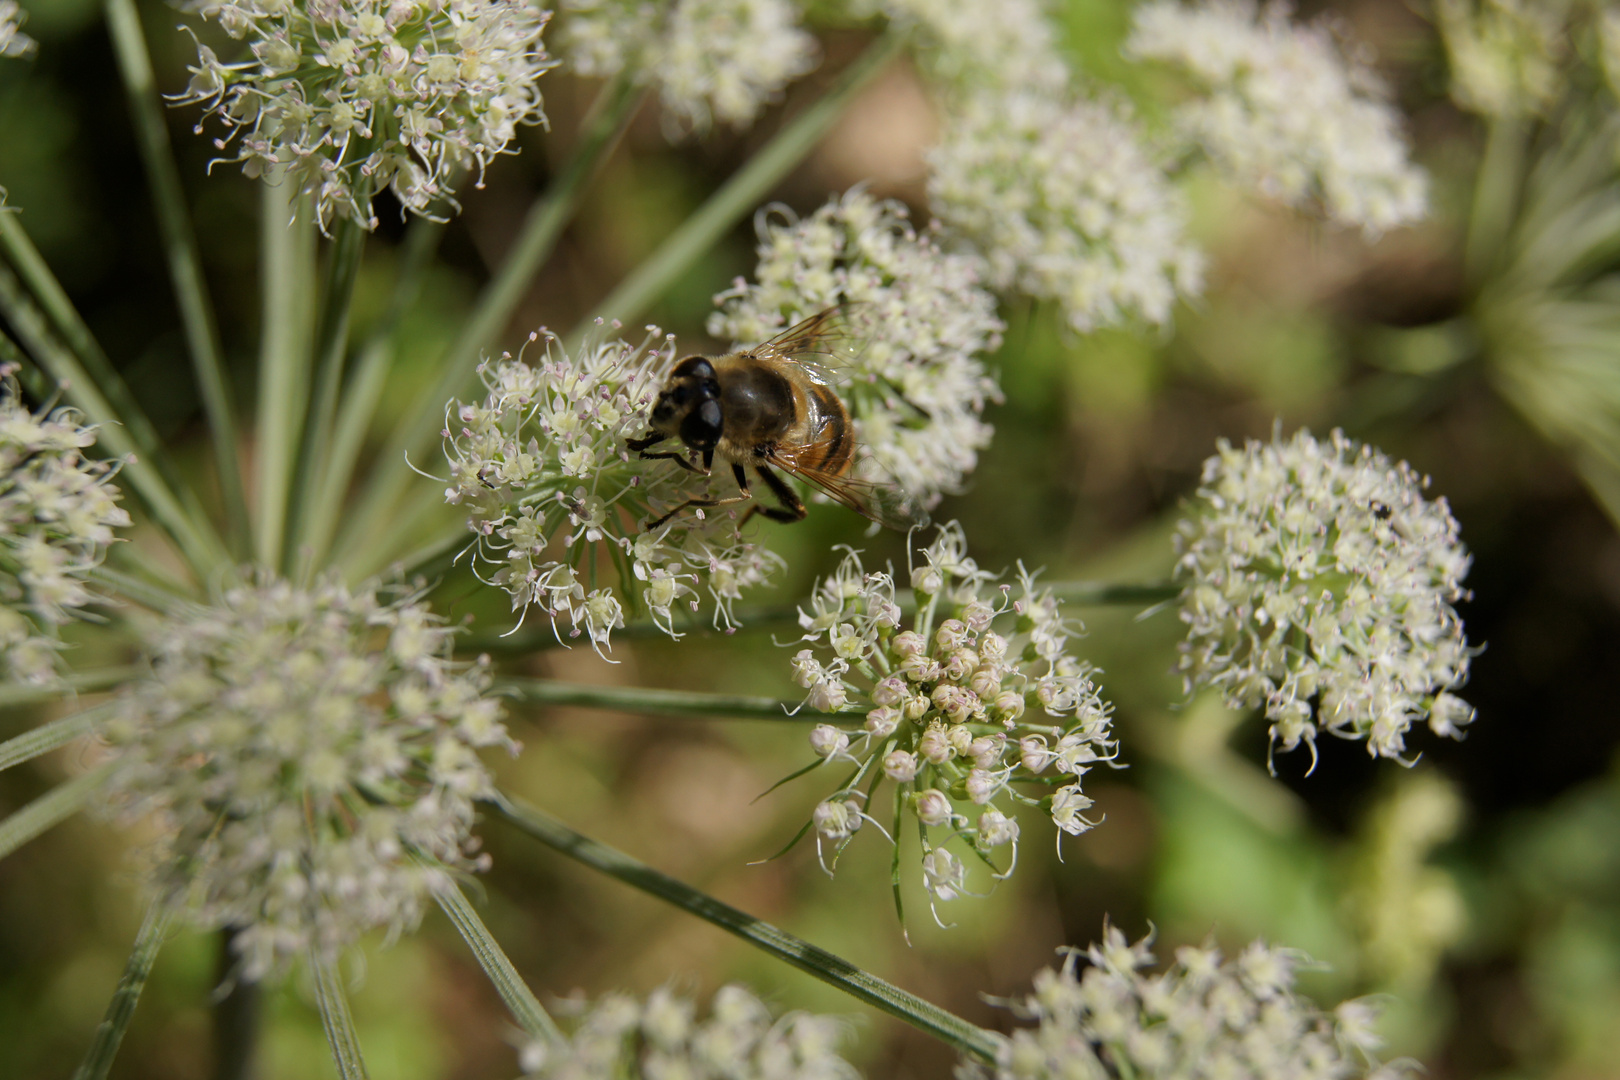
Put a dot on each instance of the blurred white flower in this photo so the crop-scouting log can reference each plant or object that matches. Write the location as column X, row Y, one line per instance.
column 58, row 510
column 13, row 42
column 1203, row 1016
column 970, row 44
column 1286, row 110
column 1318, row 583
column 351, row 97
column 661, row 1037
column 709, row 59
column 918, row 324
column 1065, row 204
column 969, row 721
column 541, row 466
column 1507, row 56
column 306, row 759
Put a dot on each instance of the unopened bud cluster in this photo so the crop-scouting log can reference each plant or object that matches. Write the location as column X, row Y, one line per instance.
column 619, row 1035
column 58, row 510
column 1318, row 583
column 970, row 721
column 916, row 326
column 1203, row 1016
column 350, row 98
column 306, row 761
column 552, row 493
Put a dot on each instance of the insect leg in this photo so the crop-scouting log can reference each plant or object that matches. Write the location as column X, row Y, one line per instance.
column 695, row 504
column 640, row 447
column 792, row 508
column 645, row 441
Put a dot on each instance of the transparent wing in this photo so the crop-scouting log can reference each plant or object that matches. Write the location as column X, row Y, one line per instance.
column 822, row 344
column 887, row 504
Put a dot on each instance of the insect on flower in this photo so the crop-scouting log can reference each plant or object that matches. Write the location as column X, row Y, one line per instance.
column 770, row 407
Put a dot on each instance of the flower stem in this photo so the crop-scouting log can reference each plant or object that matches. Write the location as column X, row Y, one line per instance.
column 741, row 194
column 1496, row 196
column 520, row 1000
column 185, row 263
column 238, row 1009
column 333, row 1001
column 51, row 808
column 830, row 969
column 47, row 737
column 121, row 1009
column 13, row 695
column 637, row 699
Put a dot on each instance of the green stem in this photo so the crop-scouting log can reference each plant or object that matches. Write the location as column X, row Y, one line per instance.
column 287, row 268
column 51, row 808
column 185, row 263
column 89, row 382
column 47, row 737
column 154, row 595
column 823, row 965
column 741, row 194
column 520, row 1000
column 636, row 699
column 333, row 1002
column 417, row 435
column 121, row 1009
column 237, row 1014
column 1496, row 196
column 13, row 695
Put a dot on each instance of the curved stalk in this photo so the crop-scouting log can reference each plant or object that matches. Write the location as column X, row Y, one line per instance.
column 121, row 1009
column 652, row 702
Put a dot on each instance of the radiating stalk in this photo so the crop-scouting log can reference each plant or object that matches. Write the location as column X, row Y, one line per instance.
column 830, row 969
column 520, row 1000
column 144, row 589
column 333, row 1001
column 1496, row 196
column 637, row 699
column 47, row 737
column 287, row 270
column 110, row 1032
column 96, row 389
column 417, row 434
column 185, row 263
column 51, row 808
column 83, row 682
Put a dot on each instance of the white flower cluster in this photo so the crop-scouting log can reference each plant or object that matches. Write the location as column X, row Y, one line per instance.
column 709, row 59
column 1201, row 1017
column 308, row 755
column 13, row 42
column 542, row 468
column 917, row 318
column 1065, row 204
column 957, row 714
column 1506, row 56
column 1319, row 583
column 970, row 44
column 352, row 96
column 1286, row 110
column 619, row 1036
column 58, row 510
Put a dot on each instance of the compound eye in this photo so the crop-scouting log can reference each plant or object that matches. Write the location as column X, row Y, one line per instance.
column 695, row 367
column 701, row 428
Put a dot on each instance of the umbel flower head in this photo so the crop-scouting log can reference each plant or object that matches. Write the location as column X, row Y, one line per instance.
column 969, row 720
column 13, row 42
column 618, row 1035
column 917, row 323
column 355, row 96
column 58, row 510
column 1507, row 56
column 542, row 468
column 1065, row 204
column 1317, row 582
column 969, row 45
column 308, row 756
column 1203, row 1016
column 1286, row 110
column 709, row 59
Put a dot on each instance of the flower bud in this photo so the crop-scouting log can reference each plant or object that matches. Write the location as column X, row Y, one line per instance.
column 935, row 746
column 933, row 807
column 882, row 721
column 901, row 765
column 828, row 741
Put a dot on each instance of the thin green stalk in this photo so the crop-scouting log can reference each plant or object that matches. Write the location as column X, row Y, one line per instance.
column 638, row 699
column 287, row 270
column 741, row 194
column 417, row 435
column 520, row 1000
column 830, row 969
column 90, row 383
column 51, row 808
column 47, row 737
column 185, row 263
column 121, row 1009
column 331, row 347
column 143, row 589
column 365, row 385
column 13, row 695
column 333, row 1002
column 1496, row 196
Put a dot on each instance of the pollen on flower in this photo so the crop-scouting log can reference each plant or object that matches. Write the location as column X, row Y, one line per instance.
column 662, row 1036
column 1287, row 110
column 551, row 492
column 349, row 98
column 1318, row 583
column 13, row 42
column 58, row 510
column 974, row 710
column 306, row 756
column 918, row 324
column 709, row 59
column 1065, row 204
column 1201, row 1016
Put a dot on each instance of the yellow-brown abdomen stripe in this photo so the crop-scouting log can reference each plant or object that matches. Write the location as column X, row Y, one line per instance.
column 834, row 441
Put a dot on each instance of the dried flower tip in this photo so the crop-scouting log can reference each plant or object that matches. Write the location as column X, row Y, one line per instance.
column 348, row 98
column 1066, row 205
column 307, row 756
column 1286, row 110
column 58, row 510
column 1317, row 572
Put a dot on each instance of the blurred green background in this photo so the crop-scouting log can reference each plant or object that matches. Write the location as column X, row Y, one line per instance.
column 1479, row 891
